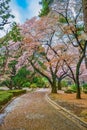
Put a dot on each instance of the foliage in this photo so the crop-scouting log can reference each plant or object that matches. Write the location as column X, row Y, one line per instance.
column 5, row 97
column 85, row 91
column 11, row 66
column 45, row 8
column 40, row 81
column 12, row 63
column 7, row 83
column 33, row 85
column 17, row 80
column 73, row 87
column 14, row 34
column 68, row 91
column 17, row 92
column 84, row 86
column 21, row 77
column 27, row 84
column 64, row 83
column 5, row 14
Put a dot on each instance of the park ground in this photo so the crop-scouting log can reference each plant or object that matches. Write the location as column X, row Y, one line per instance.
column 32, row 112
column 69, row 102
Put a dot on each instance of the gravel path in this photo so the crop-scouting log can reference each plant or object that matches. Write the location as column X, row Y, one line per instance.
column 33, row 112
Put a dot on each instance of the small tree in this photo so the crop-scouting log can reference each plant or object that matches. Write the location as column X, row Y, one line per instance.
column 21, row 78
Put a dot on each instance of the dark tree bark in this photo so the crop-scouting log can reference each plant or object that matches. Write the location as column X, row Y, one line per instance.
column 59, row 85
column 78, row 95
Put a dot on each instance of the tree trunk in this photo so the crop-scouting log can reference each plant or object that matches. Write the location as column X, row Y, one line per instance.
column 78, row 95
column 54, row 84
column 59, row 84
column 54, row 89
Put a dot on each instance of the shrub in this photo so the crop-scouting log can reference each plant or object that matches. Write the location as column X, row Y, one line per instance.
column 84, row 86
column 73, row 87
column 68, row 91
column 21, row 77
column 5, row 97
column 85, row 91
column 40, row 82
column 64, row 83
column 17, row 92
column 33, row 85
column 7, row 83
column 27, row 84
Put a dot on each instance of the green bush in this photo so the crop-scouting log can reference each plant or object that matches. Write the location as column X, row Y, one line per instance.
column 21, row 77
column 17, row 92
column 7, row 83
column 73, row 88
column 40, row 81
column 2, row 91
column 64, row 83
column 68, row 91
column 27, row 84
column 85, row 91
column 84, row 86
column 5, row 97
column 33, row 85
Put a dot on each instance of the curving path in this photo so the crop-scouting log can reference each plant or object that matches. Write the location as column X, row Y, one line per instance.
column 32, row 112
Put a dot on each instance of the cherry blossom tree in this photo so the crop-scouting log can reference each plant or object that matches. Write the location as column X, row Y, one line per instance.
column 71, row 25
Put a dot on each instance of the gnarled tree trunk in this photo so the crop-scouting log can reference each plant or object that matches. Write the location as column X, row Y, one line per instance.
column 54, row 89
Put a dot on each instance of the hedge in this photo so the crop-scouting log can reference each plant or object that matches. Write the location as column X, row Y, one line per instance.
column 5, row 97
column 17, row 92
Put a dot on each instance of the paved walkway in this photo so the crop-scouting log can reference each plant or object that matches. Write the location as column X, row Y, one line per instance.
column 32, row 112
